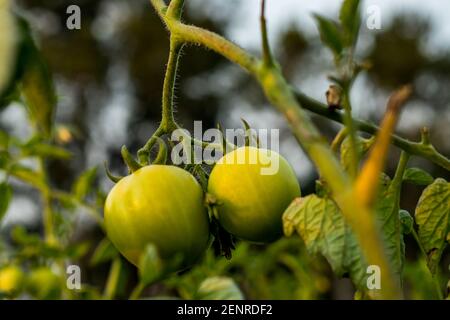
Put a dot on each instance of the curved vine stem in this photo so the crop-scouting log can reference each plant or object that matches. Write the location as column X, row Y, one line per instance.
column 168, row 123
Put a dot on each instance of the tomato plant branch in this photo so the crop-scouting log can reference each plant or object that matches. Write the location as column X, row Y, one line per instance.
column 113, row 279
column 136, row 293
column 168, row 123
column 338, row 139
column 48, row 219
column 351, row 132
column 282, row 96
column 421, row 149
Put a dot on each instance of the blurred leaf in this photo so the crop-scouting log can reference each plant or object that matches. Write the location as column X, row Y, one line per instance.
column 9, row 41
column 4, row 159
column 42, row 149
column 150, row 265
column 104, row 252
column 330, row 34
column 219, row 288
column 28, row 175
column 4, row 140
column 84, row 183
column 387, row 209
column 5, row 198
column 20, row 235
column 345, row 150
column 417, row 176
column 433, row 219
column 322, row 227
column 37, row 85
column 350, row 20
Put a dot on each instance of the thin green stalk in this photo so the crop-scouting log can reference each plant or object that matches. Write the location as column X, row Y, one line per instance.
column 168, row 123
column 424, row 253
column 47, row 207
column 338, row 139
column 351, row 132
column 137, row 291
column 113, row 279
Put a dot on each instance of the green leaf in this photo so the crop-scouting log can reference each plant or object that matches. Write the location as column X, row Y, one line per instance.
column 9, row 43
column 5, row 198
column 150, row 265
column 363, row 145
column 406, row 221
column 84, row 183
column 321, row 225
column 330, row 34
column 104, row 252
column 42, row 149
column 219, row 288
column 37, row 84
column 4, row 140
column 433, row 219
column 28, row 175
column 417, row 176
column 387, row 210
column 350, row 20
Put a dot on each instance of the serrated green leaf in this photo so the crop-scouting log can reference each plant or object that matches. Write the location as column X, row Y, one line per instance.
column 433, row 219
column 5, row 198
column 330, row 34
column 387, row 210
column 417, row 176
column 104, row 252
column 150, row 265
column 28, row 175
column 9, row 43
column 350, row 20
column 345, row 150
column 320, row 224
column 219, row 288
column 84, row 183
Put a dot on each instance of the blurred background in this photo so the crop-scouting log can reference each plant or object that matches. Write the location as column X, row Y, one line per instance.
column 109, row 79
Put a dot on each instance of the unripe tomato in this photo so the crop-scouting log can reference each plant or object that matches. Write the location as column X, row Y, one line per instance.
column 251, row 201
column 158, row 204
column 43, row 283
column 11, row 280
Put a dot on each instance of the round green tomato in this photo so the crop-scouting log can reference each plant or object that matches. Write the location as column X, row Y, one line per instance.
column 253, row 187
column 43, row 283
column 11, row 280
column 160, row 205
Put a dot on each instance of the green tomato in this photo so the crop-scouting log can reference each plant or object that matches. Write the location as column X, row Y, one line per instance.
column 43, row 283
column 160, row 205
column 11, row 280
column 251, row 201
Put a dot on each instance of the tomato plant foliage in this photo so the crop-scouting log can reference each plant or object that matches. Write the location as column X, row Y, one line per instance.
column 223, row 230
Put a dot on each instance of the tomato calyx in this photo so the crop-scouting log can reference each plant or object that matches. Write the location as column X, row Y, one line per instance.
column 224, row 242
